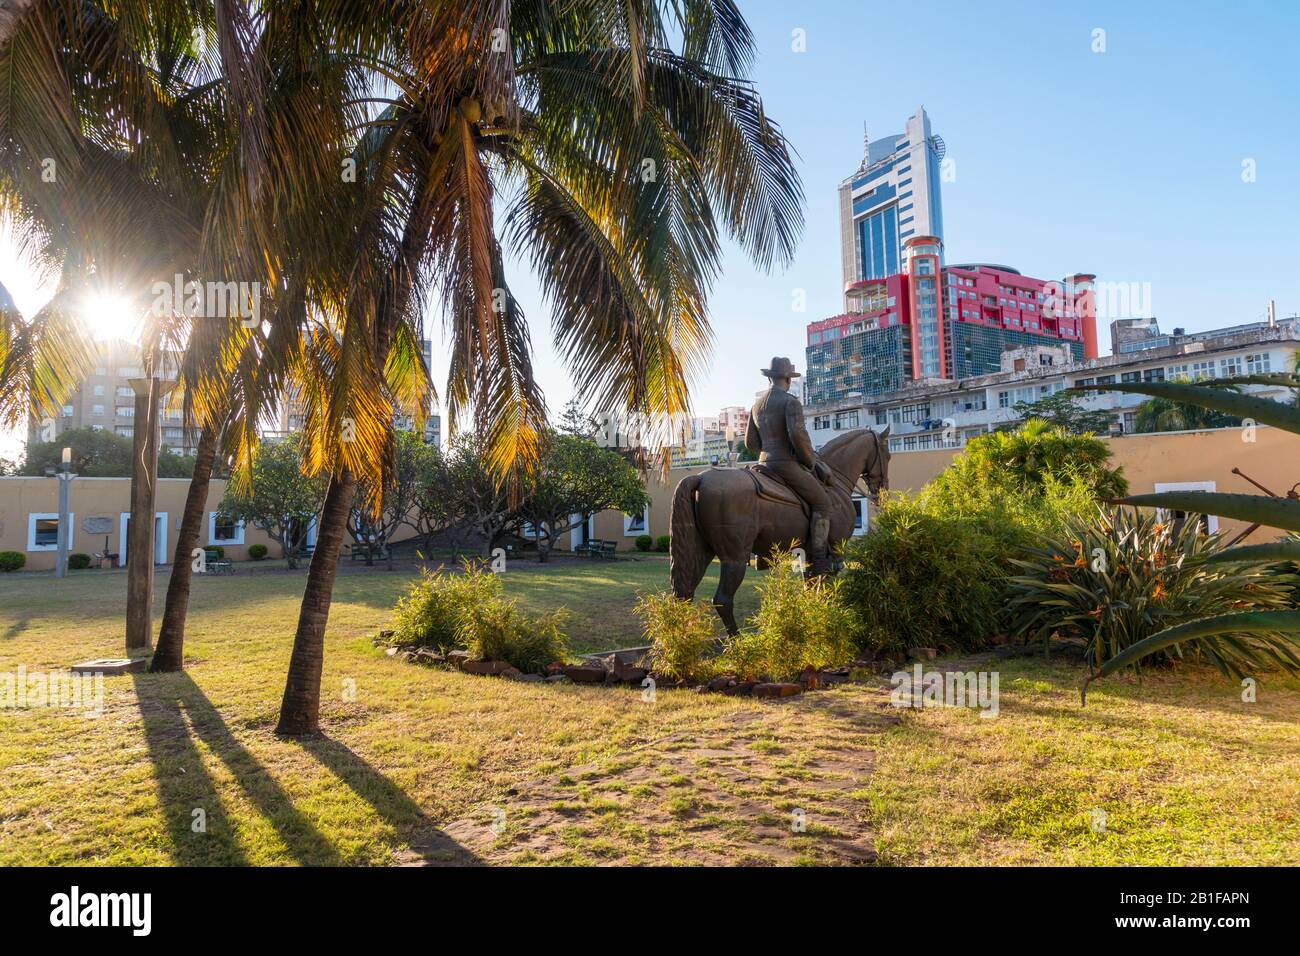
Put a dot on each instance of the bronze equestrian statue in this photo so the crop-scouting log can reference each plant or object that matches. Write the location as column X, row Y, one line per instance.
column 792, row 498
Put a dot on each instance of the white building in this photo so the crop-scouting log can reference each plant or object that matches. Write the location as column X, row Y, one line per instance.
column 945, row 414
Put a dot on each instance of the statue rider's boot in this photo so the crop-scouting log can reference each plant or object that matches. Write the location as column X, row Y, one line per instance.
column 819, row 532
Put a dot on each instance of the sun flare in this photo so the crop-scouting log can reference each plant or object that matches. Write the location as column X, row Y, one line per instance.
column 112, row 316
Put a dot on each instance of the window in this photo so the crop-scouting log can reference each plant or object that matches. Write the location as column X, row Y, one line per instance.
column 43, row 531
column 859, row 515
column 821, row 421
column 97, row 410
column 1257, row 364
column 99, row 390
column 128, row 371
column 1130, row 377
column 1209, row 523
column 223, row 529
column 125, row 431
column 1229, row 367
column 1004, row 399
column 101, row 370
column 639, row 524
column 846, row 419
column 125, row 392
column 880, row 416
column 124, row 411
column 1153, row 375
column 67, row 411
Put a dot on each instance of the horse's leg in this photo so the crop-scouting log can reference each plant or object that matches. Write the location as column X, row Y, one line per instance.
column 733, row 573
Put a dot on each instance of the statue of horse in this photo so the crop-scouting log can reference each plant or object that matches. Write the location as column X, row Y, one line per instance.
column 731, row 513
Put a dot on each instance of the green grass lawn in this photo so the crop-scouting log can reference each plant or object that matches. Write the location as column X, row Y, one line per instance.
column 414, row 764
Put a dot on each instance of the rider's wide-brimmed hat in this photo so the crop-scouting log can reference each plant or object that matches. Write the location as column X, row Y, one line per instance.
column 781, row 368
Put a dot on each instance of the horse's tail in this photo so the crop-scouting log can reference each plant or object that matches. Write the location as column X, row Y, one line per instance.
column 689, row 554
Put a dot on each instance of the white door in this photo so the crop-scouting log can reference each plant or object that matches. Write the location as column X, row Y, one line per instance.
column 159, row 537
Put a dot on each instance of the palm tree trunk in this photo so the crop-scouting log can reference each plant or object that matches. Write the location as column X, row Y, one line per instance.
column 300, row 708
column 171, row 638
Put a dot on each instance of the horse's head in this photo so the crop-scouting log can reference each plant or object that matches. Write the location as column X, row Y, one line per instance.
column 875, row 471
column 860, row 455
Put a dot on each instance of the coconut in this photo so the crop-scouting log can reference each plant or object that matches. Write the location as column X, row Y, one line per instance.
column 470, row 109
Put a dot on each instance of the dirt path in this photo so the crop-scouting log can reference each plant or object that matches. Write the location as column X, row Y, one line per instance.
column 743, row 791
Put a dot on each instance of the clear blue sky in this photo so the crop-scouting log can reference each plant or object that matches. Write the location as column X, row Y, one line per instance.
column 1125, row 163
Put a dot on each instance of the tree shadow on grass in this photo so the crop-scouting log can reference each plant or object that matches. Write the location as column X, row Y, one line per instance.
column 425, row 839
column 17, row 626
column 184, row 785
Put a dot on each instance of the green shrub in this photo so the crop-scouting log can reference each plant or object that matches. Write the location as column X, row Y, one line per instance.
column 78, row 561
column 799, row 625
column 644, row 542
column 679, row 632
column 663, row 542
column 216, row 549
column 432, row 610
column 932, row 571
column 11, row 560
column 257, row 551
column 1030, row 455
column 496, row 630
column 1118, row 576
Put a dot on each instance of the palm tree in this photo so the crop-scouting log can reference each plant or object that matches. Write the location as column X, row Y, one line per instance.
column 624, row 157
column 619, row 153
column 151, row 131
column 1167, row 415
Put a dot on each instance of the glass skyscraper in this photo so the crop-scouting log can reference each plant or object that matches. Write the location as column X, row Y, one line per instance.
column 893, row 196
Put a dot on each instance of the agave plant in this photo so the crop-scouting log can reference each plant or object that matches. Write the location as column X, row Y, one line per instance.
column 1120, row 576
column 1279, row 628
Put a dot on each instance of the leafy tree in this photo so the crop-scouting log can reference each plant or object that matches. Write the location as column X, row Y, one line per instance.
column 1168, row 415
column 743, row 453
column 373, row 523
column 1062, row 410
column 626, row 141
column 577, row 422
column 99, row 453
column 576, row 479
column 277, row 496
column 480, row 501
column 1026, row 457
column 434, row 506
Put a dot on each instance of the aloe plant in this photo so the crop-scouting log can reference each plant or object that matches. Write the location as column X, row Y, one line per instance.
column 1261, row 637
column 1120, row 576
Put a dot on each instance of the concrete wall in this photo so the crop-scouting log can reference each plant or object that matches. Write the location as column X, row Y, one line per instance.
column 104, row 499
column 1202, row 459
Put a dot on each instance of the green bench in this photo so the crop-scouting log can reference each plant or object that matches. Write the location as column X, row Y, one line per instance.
column 358, row 552
column 216, row 564
column 597, row 549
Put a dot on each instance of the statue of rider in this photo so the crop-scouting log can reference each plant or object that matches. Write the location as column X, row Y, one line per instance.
column 777, row 431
